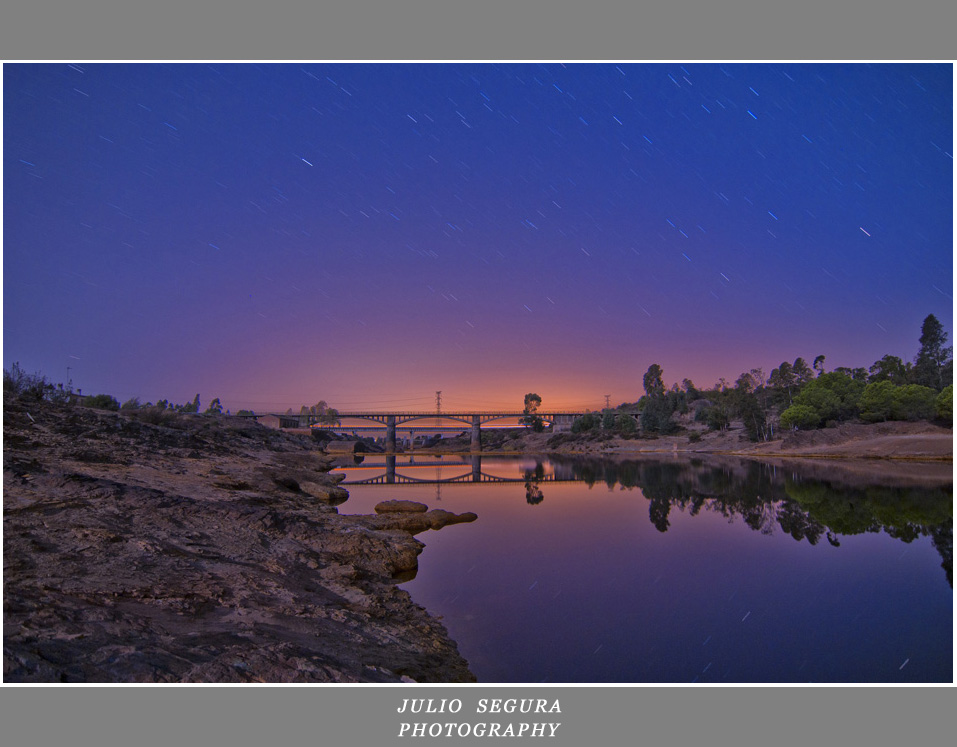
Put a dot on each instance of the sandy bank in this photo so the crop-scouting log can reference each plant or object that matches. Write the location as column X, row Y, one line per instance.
column 893, row 440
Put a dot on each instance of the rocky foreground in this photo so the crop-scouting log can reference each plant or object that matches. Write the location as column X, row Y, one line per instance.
column 159, row 547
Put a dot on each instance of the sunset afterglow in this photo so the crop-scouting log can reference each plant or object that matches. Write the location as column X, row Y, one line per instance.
column 370, row 234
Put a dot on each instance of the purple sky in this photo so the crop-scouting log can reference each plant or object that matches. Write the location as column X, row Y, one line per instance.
column 368, row 234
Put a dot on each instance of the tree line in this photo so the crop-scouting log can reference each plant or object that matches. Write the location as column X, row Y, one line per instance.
column 795, row 395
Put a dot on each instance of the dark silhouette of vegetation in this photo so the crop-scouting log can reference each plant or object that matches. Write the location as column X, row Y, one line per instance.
column 804, row 507
column 531, row 419
column 33, row 387
column 101, row 402
column 933, row 366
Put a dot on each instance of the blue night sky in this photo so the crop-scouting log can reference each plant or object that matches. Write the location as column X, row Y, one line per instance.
column 368, row 234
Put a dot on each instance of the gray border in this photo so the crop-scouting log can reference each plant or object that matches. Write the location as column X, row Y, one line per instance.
column 478, row 30
column 362, row 716
column 491, row 29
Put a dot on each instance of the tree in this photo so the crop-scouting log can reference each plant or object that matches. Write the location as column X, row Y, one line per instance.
column 215, row 407
column 877, row 401
column 532, row 403
column 751, row 403
column 932, row 356
column 915, row 402
column 889, row 368
column 587, row 422
column 653, row 382
column 656, row 416
column 819, row 364
column 782, row 378
column 833, row 396
column 802, row 372
column 330, row 416
column 858, row 374
column 626, row 425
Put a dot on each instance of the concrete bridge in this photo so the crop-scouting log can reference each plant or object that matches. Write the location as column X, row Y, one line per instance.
column 559, row 421
column 556, row 420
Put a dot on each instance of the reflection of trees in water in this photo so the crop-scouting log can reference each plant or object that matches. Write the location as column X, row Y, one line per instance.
column 768, row 498
column 533, row 491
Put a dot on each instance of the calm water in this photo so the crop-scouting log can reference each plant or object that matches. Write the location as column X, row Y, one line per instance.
column 682, row 571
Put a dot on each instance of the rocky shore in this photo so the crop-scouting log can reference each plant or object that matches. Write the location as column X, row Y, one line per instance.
column 161, row 547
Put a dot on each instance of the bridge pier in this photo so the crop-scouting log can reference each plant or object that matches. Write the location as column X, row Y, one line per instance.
column 476, row 468
column 476, row 433
column 390, row 470
column 390, row 434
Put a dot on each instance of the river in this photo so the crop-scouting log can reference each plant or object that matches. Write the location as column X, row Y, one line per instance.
column 672, row 570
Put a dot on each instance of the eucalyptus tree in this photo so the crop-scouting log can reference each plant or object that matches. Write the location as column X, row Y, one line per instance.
column 931, row 361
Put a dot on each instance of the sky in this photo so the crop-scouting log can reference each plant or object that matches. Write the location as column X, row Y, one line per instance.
column 370, row 234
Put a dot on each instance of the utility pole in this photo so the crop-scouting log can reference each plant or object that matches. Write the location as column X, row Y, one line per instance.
column 438, row 403
column 607, row 401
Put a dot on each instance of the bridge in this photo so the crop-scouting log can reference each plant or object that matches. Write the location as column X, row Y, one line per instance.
column 557, row 420
column 475, row 420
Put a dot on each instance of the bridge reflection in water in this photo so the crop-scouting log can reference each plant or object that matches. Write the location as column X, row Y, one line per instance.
column 388, row 473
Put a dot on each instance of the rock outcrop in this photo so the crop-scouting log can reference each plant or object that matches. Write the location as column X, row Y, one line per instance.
column 151, row 547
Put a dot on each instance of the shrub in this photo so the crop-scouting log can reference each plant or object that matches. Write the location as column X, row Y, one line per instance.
column 833, row 396
column 102, row 402
column 587, row 422
column 944, row 405
column 914, row 402
column 18, row 382
column 626, row 426
column 877, row 401
column 801, row 417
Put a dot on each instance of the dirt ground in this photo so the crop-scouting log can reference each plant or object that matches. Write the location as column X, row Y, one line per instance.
column 893, row 440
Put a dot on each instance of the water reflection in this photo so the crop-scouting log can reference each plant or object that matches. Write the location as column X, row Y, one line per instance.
column 803, row 500
column 663, row 569
column 770, row 497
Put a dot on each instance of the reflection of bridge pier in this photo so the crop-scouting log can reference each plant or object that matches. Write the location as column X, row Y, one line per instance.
column 390, row 469
column 476, row 444
column 390, row 465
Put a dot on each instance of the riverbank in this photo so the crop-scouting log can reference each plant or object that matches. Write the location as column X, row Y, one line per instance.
column 160, row 547
column 922, row 441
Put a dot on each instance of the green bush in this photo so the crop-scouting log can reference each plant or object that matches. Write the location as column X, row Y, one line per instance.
column 944, row 405
column 626, row 426
column 878, row 401
column 801, row 417
column 914, row 402
column 102, row 402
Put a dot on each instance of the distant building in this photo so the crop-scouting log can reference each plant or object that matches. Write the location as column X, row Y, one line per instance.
column 278, row 421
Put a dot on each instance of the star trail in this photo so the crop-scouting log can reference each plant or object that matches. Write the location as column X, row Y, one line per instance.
column 367, row 234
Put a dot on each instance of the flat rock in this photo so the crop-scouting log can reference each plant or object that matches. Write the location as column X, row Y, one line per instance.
column 404, row 507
